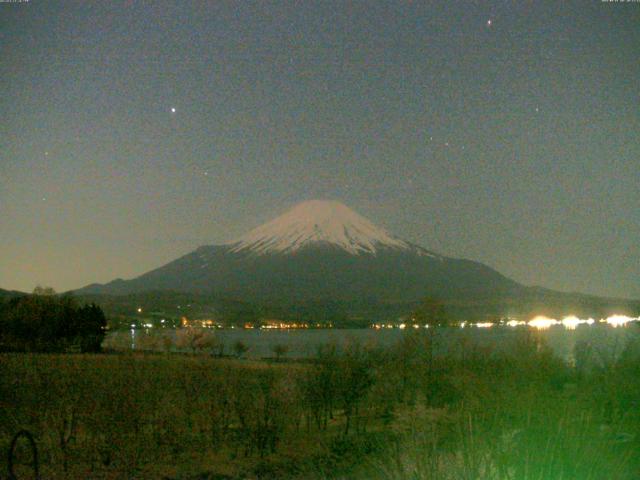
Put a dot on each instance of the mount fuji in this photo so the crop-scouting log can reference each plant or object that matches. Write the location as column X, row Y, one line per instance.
column 318, row 250
column 322, row 251
column 318, row 222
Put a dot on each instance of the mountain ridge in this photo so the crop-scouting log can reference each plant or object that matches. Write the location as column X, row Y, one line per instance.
column 322, row 251
column 318, row 250
column 10, row 293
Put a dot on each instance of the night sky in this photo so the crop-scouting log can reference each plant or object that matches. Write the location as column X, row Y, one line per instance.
column 132, row 133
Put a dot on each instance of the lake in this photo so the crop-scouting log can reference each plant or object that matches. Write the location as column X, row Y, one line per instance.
column 607, row 341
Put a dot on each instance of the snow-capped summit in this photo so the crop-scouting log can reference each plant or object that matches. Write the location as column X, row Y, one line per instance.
column 351, row 270
column 314, row 222
column 318, row 252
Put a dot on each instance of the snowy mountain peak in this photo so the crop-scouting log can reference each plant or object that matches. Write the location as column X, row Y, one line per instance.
column 318, row 221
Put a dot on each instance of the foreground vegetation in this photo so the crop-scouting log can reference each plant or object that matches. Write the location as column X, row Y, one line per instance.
column 363, row 412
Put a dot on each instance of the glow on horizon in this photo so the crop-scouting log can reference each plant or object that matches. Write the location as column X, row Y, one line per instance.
column 619, row 320
column 484, row 325
column 541, row 322
column 571, row 322
column 515, row 323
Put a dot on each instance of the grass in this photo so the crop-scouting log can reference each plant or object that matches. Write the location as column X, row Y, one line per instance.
column 481, row 415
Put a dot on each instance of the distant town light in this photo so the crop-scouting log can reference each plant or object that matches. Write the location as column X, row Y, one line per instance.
column 619, row 320
column 484, row 324
column 515, row 323
column 571, row 322
column 541, row 322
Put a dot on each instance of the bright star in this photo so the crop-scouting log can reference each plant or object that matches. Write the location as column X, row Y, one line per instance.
column 489, row 22
column 173, row 109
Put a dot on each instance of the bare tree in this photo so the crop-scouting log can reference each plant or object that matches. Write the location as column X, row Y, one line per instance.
column 240, row 348
column 279, row 350
column 195, row 339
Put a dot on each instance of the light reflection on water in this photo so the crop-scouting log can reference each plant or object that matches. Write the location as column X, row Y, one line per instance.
column 133, row 339
column 561, row 337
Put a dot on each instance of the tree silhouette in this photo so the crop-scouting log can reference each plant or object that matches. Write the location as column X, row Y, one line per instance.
column 46, row 322
column 430, row 312
column 279, row 351
column 240, row 348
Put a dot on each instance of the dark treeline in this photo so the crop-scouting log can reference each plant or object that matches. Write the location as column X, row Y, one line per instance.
column 122, row 310
column 46, row 322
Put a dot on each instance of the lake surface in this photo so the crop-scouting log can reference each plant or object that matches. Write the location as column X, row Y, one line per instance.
column 605, row 340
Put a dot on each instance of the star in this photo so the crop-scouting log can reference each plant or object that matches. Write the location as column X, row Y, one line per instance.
column 173, row 109
column 537, row 109
column 489, row 22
